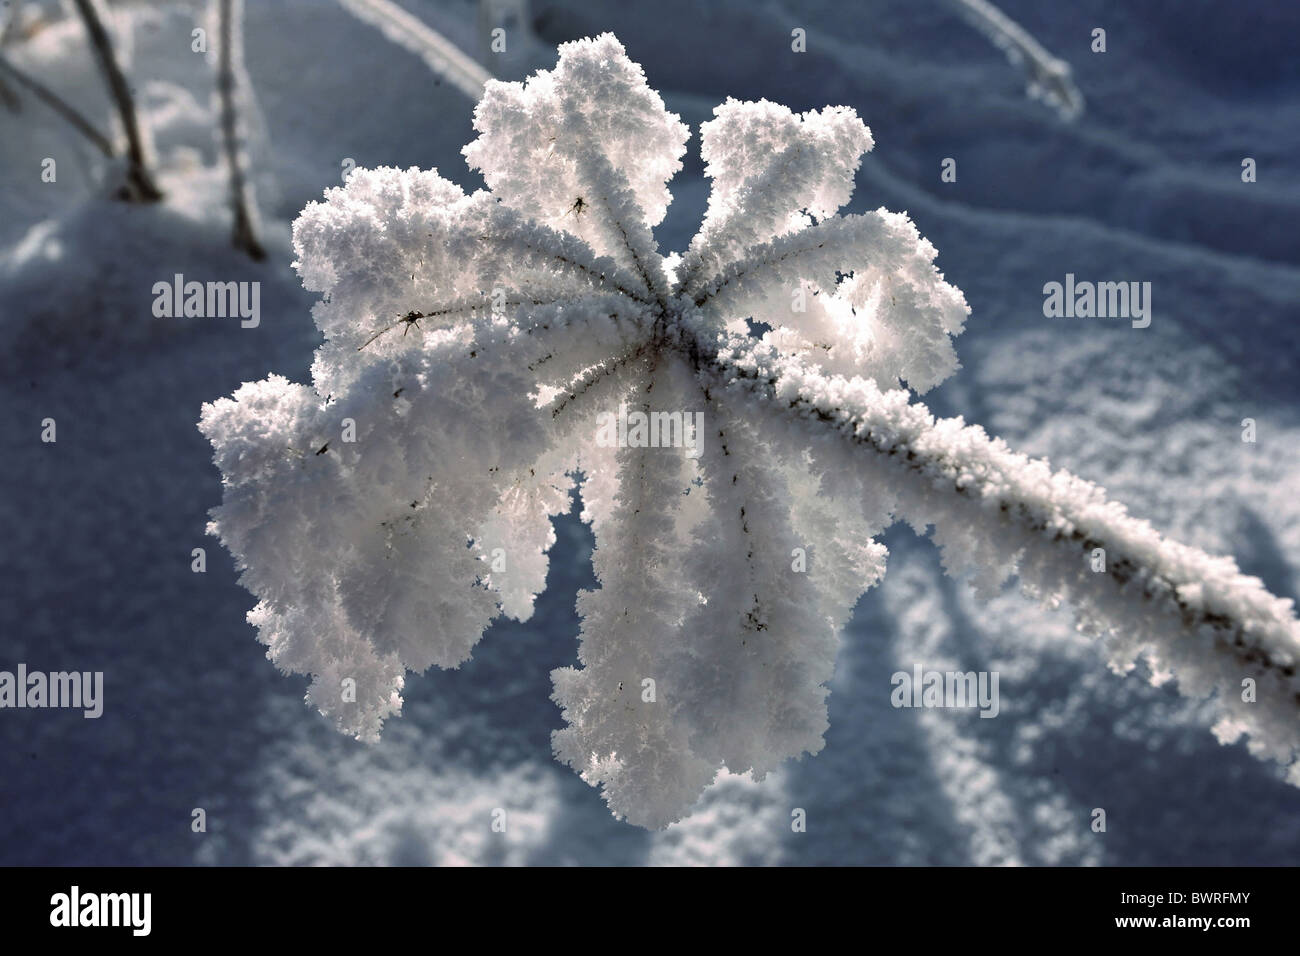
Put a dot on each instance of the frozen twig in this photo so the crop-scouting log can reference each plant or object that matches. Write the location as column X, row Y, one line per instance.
column 997, row 513
column 139, row 185
column 58, row 104
column 232, row 79
column 1049, row 77
column 442, row 56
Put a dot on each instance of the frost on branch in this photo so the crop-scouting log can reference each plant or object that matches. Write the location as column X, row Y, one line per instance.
column 1049, row 78
column 386, row 513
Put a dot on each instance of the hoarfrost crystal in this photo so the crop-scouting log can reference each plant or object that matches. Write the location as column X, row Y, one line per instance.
column 472, row 342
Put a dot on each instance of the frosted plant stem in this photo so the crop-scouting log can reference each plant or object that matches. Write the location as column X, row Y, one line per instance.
column 359, row 557
column 139, row 185
column 11, row 101
column 58, row 104
column 8, row 17
column 8, row 23
column 1054, row 518
column 231, row 56
column 440, row 55
column 1049, row 77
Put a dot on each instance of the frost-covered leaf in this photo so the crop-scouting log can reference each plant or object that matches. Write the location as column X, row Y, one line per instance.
column 475, row 349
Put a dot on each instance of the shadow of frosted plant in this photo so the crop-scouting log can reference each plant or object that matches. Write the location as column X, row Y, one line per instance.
column 386, row 513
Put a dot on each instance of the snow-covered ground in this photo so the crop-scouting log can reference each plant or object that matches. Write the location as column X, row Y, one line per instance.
column 1145, row 186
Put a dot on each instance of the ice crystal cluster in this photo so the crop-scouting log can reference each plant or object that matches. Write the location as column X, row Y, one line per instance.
column 384, row 514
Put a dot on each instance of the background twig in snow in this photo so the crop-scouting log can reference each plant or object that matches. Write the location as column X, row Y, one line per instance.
column 139, row 186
